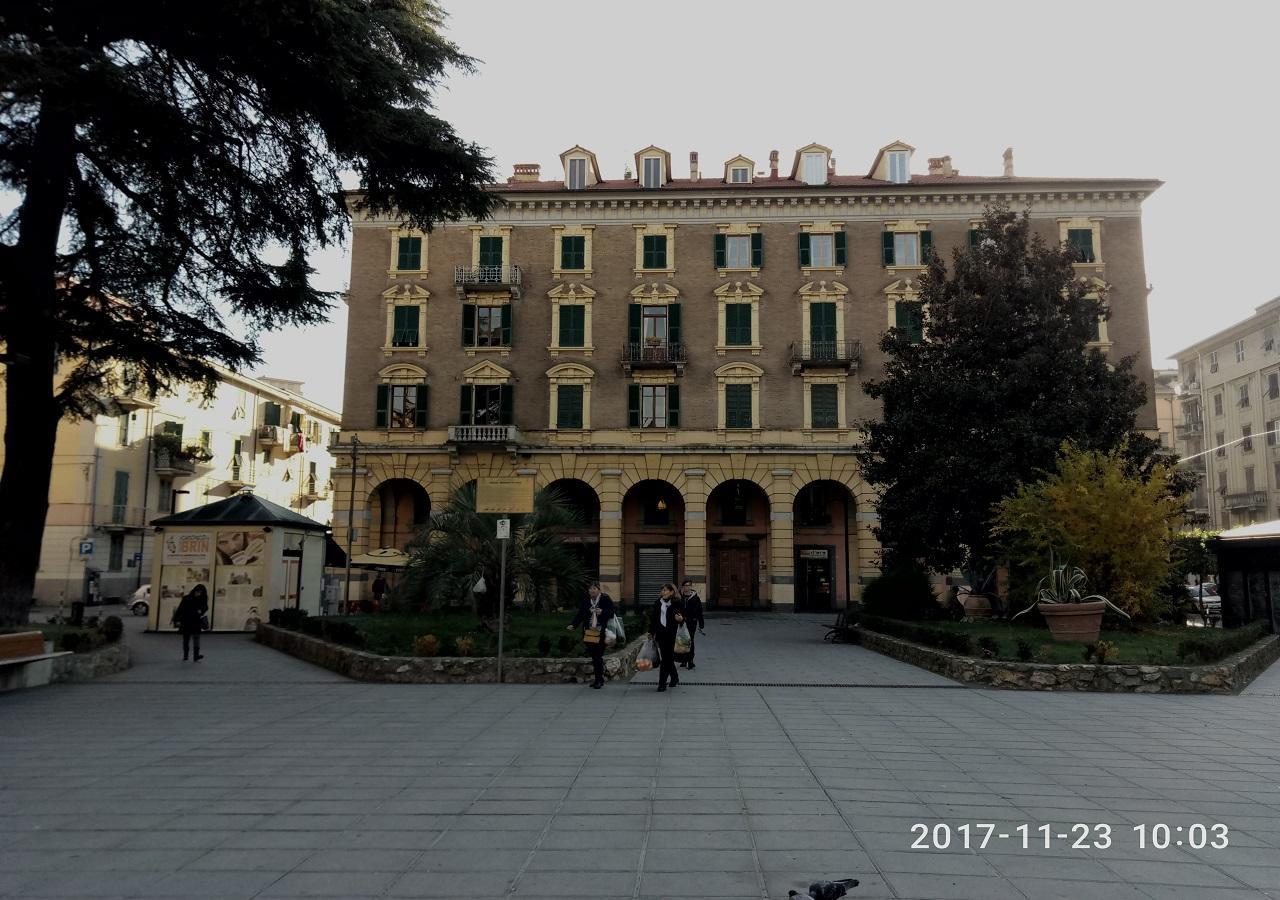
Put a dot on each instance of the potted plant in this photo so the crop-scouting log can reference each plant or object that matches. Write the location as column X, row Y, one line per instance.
column 1069, row 613
column 195, row 453
column 168, row 447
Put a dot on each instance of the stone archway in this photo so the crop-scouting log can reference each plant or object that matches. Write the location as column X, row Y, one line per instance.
column 826, row 551
column 738, row 545
column 398, row 508
column 583, row 540
column 652, row 539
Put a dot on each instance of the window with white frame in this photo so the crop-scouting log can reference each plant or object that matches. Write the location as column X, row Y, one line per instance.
column 1213, row 360
column 1219, row 438
column 737, row 251
column 739, row 174
column 1246, row 434
column 898, row 161
column 1269, row 339
column 653, row 406
column 822, row 252
column 906, row 249
column 1273, row 385
column 577, row 174
column 814, row 168
column 1243, row 402
column 652, row 175
column 1217, row 404
column 1240, row 350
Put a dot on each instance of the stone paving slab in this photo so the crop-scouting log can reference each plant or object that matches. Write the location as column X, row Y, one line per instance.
column 255, row 776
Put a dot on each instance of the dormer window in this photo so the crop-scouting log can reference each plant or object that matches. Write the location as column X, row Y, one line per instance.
column 739, row 175
column 651, row 177
column 898, row 162
column 814, row 169
column 577, row 174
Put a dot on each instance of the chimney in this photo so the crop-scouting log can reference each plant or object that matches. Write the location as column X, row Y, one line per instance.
column 525, row 172
column 773, row 163
column 626, row 172
column 941, row 165
column 1008, row 163
column 693, row 165
column 831, row 166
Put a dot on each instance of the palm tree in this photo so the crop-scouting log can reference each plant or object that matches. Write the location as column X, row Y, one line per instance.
column 458, row 548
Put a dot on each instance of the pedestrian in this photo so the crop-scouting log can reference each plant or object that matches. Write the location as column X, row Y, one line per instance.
column 663, row 624
column 379, row 589
column 593, row 615
column 189, row 618
column 693, row 617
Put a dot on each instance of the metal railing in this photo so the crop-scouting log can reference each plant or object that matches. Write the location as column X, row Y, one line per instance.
column 664, row 353
column 484, row 434
column 169, row 463
column 1246, row 500
column 481, row 276
column 405, row 337
column 113, row 516
column 838, row 353
column 273, row 434
column 1184, row 430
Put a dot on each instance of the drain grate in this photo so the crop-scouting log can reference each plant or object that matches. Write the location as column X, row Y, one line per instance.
column 817, row 684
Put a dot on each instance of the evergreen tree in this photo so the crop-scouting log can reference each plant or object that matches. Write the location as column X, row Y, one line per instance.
column 1002, row 379
column 173, row 167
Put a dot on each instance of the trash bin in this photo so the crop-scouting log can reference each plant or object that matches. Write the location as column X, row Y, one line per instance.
column 77, row 612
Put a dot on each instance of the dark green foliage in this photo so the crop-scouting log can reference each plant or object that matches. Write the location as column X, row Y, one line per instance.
column 343, row 632
column 567, row 643
column 1026, row 652
column 313, row 627
column 1216, row 643
column 78, row 641
column 920, row 634
column 290, row 618
column 903, row 592
column 112, row 629
column 544, row 645
column 983, row 405
column 172, row 168
column 988, row 645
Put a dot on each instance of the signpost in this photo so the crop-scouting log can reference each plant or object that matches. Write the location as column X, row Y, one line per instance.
column 86, row 547
column 504, row 535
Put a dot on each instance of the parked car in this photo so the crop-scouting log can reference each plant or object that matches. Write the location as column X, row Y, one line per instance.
column 139, row 602
column 1210, row 590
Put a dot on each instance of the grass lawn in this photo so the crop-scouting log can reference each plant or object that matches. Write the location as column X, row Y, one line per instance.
column 393, row 634
column 1150, row 645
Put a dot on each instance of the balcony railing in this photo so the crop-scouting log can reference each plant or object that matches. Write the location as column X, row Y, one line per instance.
column 651, row 355
column 1185, row 430
column 169, row 463
column 272, row 435
column 121, row 518
column 1247, row 500
column 484, row 434
column 825, row 354
column 487, row 277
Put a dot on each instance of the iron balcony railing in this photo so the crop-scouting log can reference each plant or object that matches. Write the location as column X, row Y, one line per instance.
column 114, row 517
column 654, row 354
column 405, row 337
column 1185, row 430
column 826, row 353
column 1247, row 500
column 486, row 276
column 484, row 434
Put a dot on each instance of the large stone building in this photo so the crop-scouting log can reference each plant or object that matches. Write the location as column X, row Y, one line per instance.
column 150, row 456
column 1230, row 405
column 688, row 354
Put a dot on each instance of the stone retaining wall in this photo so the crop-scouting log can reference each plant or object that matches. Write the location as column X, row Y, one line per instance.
column 362, row 666
column 1228, row 676
column 81, row 667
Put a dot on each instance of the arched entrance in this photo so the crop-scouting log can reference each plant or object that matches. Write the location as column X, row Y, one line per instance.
column 397, row 510
column 825, row 549
column 737, row 545
column 583, row 540
column 652, row 538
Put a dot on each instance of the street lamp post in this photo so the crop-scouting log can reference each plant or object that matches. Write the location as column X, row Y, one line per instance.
column 351, row 523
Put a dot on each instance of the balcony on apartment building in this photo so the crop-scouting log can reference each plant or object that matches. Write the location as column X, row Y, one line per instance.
column 484, row 434
column 654, row 354
column 469, row 279
column 110, row 517
column 1246, row 500
column 1189, row 429
column 845, row 355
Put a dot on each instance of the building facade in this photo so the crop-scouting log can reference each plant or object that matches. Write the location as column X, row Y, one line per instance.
column 687, row 355
column 1166, row 384
column 152, row 456
column 1229, row 404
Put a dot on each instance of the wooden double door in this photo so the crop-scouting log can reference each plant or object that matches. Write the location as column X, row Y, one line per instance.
column 734, row 570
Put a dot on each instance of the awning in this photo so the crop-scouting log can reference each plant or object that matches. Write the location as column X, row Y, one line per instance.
column 386, row 558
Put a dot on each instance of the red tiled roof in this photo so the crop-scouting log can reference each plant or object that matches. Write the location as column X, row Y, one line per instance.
column 781, row 183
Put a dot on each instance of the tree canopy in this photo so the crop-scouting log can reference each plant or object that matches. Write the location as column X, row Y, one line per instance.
column 1005, row 374
column 174, row 167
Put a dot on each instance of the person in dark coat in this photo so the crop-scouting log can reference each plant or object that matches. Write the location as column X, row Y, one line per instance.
column 693, row 616
column 664, row 622
column 379, row 590
column 594, row 613
column 188, row 616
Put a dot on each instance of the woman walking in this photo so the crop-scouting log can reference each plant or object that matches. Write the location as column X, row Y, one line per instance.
column 664, row 622
column 593, row 615
column 189, row 618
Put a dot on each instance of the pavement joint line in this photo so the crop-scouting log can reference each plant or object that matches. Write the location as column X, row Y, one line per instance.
column 828, row 684
column 742, row 803
column 648, row 816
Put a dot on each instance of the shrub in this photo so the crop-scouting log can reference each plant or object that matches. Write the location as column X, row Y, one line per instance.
column 567, row 644
column 112, row 629
column 1026, row 652
column 903, row 592
column 989, row 646
column 952, row 641
column 290, row 618
column 465, row 645
column 313, row 627
column 343, row 633
column 544, row 645
column 1212, row 647
column 80, row 641
column 426, row 645
column 1099, row 651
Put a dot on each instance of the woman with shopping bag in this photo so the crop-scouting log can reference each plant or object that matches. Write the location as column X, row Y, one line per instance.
column 593, row 618
column 664, row 622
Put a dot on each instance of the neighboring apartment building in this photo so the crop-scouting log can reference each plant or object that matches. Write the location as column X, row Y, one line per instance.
column 148, row 457
column 682, row 358
column 1166, row 383
column 1230, row 404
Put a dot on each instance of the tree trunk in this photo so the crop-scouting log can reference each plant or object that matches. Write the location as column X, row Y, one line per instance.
column 32, row 412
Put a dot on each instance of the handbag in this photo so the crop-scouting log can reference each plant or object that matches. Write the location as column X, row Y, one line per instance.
column 204, row 623
column 591, row 636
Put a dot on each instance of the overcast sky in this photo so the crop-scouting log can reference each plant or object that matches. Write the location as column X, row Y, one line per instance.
column 1083, row 89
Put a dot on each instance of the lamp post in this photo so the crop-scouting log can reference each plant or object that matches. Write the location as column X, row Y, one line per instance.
column 351, row 523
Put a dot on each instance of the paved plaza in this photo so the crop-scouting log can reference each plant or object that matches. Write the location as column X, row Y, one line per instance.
column 253, row 775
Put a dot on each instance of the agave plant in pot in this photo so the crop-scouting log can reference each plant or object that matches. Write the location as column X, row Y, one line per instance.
column 1070, row 614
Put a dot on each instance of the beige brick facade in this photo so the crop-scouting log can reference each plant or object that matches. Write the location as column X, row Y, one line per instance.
column 737, row 506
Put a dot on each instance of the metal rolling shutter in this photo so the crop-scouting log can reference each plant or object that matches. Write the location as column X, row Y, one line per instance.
column 656, row 565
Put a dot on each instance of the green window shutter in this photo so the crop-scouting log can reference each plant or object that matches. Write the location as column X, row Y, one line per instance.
column 823, row 399
column 633, row 323
column 270, row 415
column 655, row 251
column 506, row 335
column 420, row 407
column 380, row 417
column 737, row 324
column 490, row 251
column 573, row 326
column 673, row 323
column 633, row 406
column 409, row 254
column 737, row 406
column 886, row 248
column 505, row 404
column 673, row 406
column 802, row 248
column 975, row 238
column 910, row 319
column 405, row 330
column 926, row 246
column 1082, row 240
column 717, row 255
column 468, row 325
column 822, row 323
column 464, row 405
column 573, row 252
column 295, row 422
column 841, row 253
column 569, row 406
column 120, row 496
column 757, row 250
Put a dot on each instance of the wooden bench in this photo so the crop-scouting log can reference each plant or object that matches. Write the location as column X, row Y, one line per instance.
column 24, row 662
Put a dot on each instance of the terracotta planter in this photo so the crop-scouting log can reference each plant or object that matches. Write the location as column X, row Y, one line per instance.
column 1073, row 621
